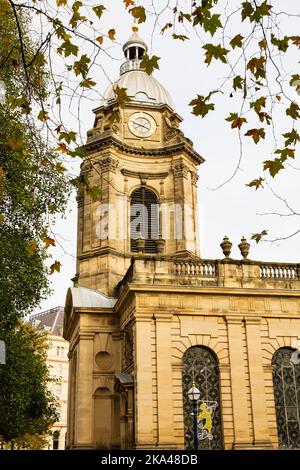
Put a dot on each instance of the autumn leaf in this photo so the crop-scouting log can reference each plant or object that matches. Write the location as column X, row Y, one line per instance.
column 68, row 136
column 139, row 13
column 256, row 65
column 237, row 41
column 121, row 96
column 211, row 23
column 256, row 134
column 215, row 52
column 258, row 104
column 295, row 40
column 236, row 120
column 291, row 137
column 295, row 81
column 68, row 48
column 201, row 106
column 128, row 3
column 62, row 148
column 274, row 166
column 293, row 110
column 257, row 183
column 49, row 242
column 100, row 39
column 55, row 267
column 98, row 10
column 81, row 66
column 180, row 36
column 111, row 34
column 247, row 10
column 87, row 83
column 255, row 14
column 43, row 115
column 238, row 82
column 285, row 153
column 61, row 2
column 149, row 63
column 32, row 247
column 263, row 44
column 281, row 44
column 165, row 27
column 258, row 236
column 60, row 168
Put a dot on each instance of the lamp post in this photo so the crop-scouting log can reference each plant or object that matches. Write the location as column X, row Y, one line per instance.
column 194, row 395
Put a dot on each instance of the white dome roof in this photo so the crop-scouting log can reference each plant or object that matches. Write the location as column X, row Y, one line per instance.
column 141, row 88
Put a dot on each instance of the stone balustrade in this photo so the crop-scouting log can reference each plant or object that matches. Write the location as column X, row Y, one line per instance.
column 279, row 271
column 205, row 268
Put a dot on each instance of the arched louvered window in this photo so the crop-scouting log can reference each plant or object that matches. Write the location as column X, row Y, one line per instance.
column 286, row 383
column 200, row 366
column 144, row 218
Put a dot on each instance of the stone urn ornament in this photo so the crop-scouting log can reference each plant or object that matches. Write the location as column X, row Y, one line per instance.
column 244, row 247
column 140, row 242
column 226, row 246
column 160, row 244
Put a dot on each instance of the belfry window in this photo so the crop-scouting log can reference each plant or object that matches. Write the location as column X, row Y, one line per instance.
column 144, row 219
column 200, row 366
column 286, row 383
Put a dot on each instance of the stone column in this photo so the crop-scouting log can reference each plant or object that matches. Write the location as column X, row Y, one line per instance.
column 242, row 438
column 144, row 437
column 165, row 409
column 84, row 413
column 258, row 396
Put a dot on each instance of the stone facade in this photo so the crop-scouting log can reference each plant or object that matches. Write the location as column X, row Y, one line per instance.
column 130, row 317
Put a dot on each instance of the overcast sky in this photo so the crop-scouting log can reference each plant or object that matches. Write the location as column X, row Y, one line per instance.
column 234, row 209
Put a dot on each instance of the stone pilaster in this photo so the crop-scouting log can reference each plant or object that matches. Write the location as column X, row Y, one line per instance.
column 242, row 437
column 257, row 388
column 84, row 402
column 164, row 381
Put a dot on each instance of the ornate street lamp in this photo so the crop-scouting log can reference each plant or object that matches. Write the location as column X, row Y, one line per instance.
column 194, row 395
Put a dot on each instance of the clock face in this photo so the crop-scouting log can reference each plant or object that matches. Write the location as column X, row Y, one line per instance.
column 141, row 124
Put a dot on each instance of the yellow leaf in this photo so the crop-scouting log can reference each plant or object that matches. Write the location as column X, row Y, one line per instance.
column 100, row 39
column 55, row 267
column 49, row 242
column 62, row 148
column 111, row 34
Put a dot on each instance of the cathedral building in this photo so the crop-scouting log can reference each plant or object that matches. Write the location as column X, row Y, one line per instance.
column 148, row 318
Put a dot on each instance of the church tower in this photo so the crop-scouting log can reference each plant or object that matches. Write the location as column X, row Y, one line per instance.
column 146, row 170
column 148, row 319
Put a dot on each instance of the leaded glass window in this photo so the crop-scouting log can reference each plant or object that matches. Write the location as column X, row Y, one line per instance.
column 201, row 366
column 286, row 383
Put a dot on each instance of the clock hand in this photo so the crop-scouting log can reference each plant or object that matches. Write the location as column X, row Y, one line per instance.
column 141, row 125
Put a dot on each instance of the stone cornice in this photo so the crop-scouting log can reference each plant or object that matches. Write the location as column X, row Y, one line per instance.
column 216, row 290
column 109, row 140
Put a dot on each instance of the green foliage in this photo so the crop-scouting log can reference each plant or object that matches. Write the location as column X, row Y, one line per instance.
column 149, row 63
column 201, row 106
column 258, row 236
column 98, row 10
column 215, row 52
column 26, row 404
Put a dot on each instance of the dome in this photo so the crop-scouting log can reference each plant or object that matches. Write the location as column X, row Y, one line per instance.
column 141, row 87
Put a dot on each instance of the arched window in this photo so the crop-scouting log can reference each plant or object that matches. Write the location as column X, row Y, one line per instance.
column 200, row 366
column 144, row 219
column 286, row 383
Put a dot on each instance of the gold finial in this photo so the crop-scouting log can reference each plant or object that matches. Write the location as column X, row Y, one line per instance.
column 135, row 28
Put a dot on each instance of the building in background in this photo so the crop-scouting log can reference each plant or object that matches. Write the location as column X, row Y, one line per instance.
column 57, row 361
column 147, row 317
